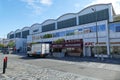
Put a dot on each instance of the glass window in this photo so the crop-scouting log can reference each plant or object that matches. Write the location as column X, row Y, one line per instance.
column 76, row 32
column 18, row 35
column 11, row 36
column 36, row 30
column 48, row 27
column 56, row 34
column 112, row 27
column 101, row 28
column 70, row 32
column 91, row 17
column 93, row 29
column 66, row 23
column 25, row 34
column 87, row 30
column 80, row 31
column 62, row 33
column 117, row 28
column 59, row 34
column 115, row 50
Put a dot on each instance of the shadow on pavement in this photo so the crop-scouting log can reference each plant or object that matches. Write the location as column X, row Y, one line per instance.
column 89, row 59
column 74, row 59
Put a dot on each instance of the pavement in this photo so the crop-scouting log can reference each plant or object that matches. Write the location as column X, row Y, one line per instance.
column 24, row 71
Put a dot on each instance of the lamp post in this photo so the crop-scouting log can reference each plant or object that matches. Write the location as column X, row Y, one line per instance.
column 94, row 10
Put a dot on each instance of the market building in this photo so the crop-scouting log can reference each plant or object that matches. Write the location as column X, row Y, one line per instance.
column 93, row 31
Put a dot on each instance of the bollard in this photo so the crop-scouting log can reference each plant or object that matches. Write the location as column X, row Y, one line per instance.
column 6, row 60
column 4, row 65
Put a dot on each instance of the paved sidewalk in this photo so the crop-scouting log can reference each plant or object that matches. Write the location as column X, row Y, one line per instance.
column 23, row 71
column 107, row 63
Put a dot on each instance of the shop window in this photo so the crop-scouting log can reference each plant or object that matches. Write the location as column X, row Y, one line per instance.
column 102, row 49
column 115, row 50
column 117, row 28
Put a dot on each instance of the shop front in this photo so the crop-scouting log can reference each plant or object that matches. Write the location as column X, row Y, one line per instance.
column 69, row 47
column 93, row 50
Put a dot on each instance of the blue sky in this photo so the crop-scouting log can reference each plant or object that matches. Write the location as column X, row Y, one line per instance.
column 16, row 14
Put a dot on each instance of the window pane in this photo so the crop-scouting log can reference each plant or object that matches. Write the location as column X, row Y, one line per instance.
column 71, row 32
column 66, row 23
column 117, row 28
column 101, row 28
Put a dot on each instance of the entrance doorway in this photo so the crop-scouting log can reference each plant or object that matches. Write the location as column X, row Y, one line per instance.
column 88, row 51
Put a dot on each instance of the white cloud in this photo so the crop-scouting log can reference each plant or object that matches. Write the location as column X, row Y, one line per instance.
column 115, row 3
column 46, row 2
column 35, row 5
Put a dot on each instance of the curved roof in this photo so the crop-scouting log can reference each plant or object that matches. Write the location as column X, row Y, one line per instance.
column 18, row 30
column 49, row 21
column 92, row 6
column 65, row 15
column 34, row 25
column 12, row 32
column 25, row 28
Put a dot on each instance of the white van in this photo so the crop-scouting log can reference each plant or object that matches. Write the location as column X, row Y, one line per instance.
column 39, row 49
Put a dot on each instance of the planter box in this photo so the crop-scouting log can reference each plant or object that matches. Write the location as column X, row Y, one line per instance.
column 58, row 54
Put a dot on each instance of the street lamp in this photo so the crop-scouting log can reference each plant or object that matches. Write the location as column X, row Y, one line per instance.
column 94, row 10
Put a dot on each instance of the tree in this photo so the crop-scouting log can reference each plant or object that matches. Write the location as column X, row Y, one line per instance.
column 59, row 40
column 47, row 36
column 1, row 45
column 11, row 44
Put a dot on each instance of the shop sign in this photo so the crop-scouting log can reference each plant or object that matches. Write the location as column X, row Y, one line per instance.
column 72, row 45
column 89, row 44
column 57, row 45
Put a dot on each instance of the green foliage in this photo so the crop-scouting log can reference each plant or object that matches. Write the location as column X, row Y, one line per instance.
column 11, row 44
column 117, row 18
column 1, row 45
column 59, row 40
column 47, row 36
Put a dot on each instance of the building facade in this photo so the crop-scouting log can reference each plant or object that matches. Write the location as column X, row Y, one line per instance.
column 90, row 32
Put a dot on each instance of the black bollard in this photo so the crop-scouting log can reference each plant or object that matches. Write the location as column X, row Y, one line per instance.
column 4, row 65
